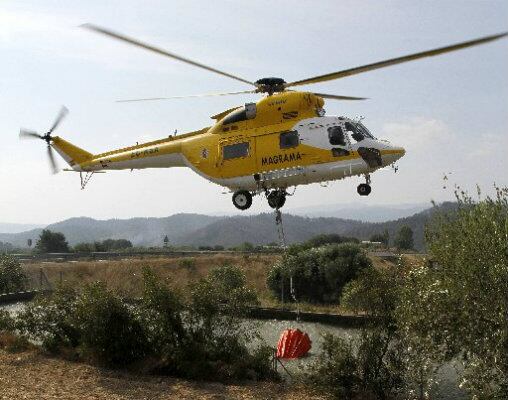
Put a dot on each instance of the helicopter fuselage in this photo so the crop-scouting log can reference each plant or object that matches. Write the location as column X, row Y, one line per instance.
column 279, row 142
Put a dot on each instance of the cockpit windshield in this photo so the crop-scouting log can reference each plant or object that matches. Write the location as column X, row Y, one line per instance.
column 358, row 131
column 364, row 130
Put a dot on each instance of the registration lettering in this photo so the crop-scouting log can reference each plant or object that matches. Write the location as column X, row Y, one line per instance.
column 146, row 152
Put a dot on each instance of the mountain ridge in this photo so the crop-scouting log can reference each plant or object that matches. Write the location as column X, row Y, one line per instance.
column 200, row 229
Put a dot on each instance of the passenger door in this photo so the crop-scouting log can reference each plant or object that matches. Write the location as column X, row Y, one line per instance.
column 237, row 157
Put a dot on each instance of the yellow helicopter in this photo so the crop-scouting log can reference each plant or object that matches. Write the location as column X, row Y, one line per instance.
column 283, row 140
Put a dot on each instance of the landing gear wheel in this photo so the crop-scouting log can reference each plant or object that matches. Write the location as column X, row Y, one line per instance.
column 276, row 199
column 242, row 199
column 363, row 189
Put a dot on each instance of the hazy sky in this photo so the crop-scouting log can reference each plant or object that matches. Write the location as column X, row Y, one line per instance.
column 450, row 112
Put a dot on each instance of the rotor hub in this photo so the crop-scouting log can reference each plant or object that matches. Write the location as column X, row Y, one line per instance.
column 47, row 138
column 270, row 85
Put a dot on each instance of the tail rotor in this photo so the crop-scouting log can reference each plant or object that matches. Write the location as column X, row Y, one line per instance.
column 29, row 134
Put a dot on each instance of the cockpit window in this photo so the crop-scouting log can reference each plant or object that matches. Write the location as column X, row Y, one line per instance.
column 356, row 133
column 364, row 130
column 336, row 136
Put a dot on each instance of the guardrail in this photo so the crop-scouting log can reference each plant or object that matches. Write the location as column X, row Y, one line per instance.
column 112, row 255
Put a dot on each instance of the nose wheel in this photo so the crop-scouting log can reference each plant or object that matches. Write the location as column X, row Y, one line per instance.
column 242, row 199
column 364, row 189
column 276, row 198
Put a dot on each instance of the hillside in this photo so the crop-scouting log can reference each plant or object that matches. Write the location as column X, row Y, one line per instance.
column 140, row 231
column 196, row 229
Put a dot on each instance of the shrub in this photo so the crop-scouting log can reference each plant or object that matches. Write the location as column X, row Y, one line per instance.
column 6, row 321
column 188, row 263
column 219, row 337
column 336, row 368
column 109, row 332
column 204, row 339
column 457, row 306
column 160, row 313
column 319, row 274
column 12, row 277
column 50, row 320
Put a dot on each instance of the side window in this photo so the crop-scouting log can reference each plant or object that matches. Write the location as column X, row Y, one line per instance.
column 336, row 136
column 289, row 139
column 236, row 150
column 356, row 134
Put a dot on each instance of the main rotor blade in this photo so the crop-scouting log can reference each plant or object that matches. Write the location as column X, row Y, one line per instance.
column 339, row 97
column 63, row 112
column 158, row 50
column 52, row 162
column 394, row 61
column 27, row 134
column 184, row 97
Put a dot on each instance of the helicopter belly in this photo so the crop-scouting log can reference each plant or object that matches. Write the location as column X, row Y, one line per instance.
column 301, row 175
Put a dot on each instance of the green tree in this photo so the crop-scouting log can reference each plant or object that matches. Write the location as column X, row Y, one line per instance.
column 381, row 237
column 51, row 242
column 318, row 274
column 84, row 248
column 12, row 276
column 116, row 244
column 404, row 238
column 458, row 304
column 328, row 238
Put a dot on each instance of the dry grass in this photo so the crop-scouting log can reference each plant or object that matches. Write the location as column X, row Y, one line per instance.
column 125, row 276
column 32, row 375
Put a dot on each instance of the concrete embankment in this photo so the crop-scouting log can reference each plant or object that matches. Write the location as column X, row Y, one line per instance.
column 345, row 321
column 6, row 298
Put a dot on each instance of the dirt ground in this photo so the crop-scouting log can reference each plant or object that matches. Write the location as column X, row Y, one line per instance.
column 32, row 375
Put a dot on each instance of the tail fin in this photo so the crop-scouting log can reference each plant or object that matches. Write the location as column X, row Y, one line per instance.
column 70, row 153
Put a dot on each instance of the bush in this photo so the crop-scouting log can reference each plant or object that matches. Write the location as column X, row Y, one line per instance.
column 12, row 277
column 382, row 362
column 188, row 263
column 457, row 306
column 109, row 331
column 6, row 321
column 369, row 366
column 319, row 274
column 160, row 313
column 50, row 320
column 204, row 339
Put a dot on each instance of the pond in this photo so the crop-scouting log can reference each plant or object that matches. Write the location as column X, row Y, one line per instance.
column 271, row 329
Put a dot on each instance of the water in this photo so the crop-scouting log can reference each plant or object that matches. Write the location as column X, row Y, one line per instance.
column 13, row 308
column 270, row 331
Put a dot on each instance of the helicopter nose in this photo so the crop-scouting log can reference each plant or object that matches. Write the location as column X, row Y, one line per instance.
column 393, row 154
